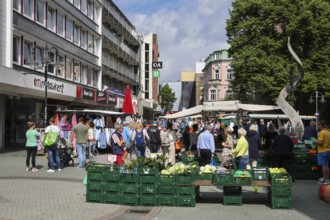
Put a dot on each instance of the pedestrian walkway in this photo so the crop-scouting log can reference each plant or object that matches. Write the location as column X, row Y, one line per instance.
column 61, row 195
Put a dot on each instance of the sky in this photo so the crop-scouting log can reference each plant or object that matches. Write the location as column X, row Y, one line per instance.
column 187, row 30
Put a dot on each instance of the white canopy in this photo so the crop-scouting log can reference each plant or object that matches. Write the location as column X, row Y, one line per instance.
column 187, row 112
column 280, row 116
column 104, row 112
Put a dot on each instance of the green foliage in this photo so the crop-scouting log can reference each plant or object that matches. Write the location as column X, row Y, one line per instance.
column 168, row 98
column 262, row 61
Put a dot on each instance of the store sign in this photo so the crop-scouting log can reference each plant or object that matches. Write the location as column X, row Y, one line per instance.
column 100, row 97
column 157, row 65
column 112, row 99
column 155, row 74
column 88, row 94
column 52, row 86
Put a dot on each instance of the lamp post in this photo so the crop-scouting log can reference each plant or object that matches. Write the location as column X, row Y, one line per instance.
column 316, row 95
column 44, row 63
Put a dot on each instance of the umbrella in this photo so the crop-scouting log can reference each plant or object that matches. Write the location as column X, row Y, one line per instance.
column 128, row 105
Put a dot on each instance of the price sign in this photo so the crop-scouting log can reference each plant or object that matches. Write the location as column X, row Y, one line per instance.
column 112, row 158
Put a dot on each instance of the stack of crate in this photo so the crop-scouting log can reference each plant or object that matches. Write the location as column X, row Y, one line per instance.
column 166, row 190
column 95, row 183
column 186, row 196
column 112, row 188
column 304, row 166
column 148, row 189
column 232, row 195
column 280, row 193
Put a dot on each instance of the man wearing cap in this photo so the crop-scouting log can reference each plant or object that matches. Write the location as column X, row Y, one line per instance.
column 205, row 146
column 154, row 134
column 118, row 143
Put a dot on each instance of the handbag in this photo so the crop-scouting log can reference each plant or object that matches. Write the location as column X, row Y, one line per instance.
column 50, row 139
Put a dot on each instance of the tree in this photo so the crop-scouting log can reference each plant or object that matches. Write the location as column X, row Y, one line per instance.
column 258, row 31
column 168, row 98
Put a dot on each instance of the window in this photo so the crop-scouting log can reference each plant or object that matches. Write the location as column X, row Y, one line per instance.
column 28, row 8
column 60, row 24
column 16, row 49
column 41, row 12
column 76, row 72
column 68, row 30
column 83, row 74
column 39, row 53
column 76, row 34
column 146, row 57
column 51, row 69
column 90, row 43
column 27, row 52
column 90, row 9
column 16, row 4
column 89, row 76
column 60, row 70
column 51, row 19
column 95, row 45
column 76, row 3
column 146, row 47
column 212, row 95
column 217, row 75
column 229, row 74
column 83, row 6
column 68, row 69
column 146, row 85
column 83, row 39
column 95, row 78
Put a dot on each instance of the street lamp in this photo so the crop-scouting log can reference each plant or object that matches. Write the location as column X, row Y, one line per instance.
column 46, row 60
column 316, row 95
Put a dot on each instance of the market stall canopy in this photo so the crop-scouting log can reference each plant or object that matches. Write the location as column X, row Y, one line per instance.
column 282, row 116
column 92, row 111
column 187, row 112
column 196, row 116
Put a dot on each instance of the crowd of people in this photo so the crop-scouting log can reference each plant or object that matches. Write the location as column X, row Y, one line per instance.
column 238, row 143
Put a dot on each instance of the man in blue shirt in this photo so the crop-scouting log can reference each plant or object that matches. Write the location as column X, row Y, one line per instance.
column 205, row 146
column 310, row 131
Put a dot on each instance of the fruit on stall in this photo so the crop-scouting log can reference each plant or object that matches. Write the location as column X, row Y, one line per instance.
column 277, row 170
column 242, row 174
column 180, row 168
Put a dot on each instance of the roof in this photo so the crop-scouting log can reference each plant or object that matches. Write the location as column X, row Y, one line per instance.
column 104, row 112
column 280, row 116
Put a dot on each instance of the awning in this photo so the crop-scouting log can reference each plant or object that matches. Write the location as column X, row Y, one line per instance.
column 103, row 112
column 187, row 112
column 280, row 116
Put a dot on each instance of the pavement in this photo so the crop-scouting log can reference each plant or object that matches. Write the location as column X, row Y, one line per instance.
column 61, row 195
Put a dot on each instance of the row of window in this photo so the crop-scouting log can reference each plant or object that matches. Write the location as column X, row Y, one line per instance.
column 229, row 74
column 58, row 23
column 213, row 94
column 25, row 52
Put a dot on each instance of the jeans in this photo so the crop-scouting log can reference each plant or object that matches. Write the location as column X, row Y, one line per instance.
column 140, row 151
column 154, row 148
column 241, row 162
column 81, row 150
column 31, row 151
column 53, row 152
column 205, row 157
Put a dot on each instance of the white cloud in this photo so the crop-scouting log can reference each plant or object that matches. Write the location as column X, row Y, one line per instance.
column 187, row 30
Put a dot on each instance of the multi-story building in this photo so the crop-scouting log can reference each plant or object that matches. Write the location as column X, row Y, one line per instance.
column 217, row 76
column 149, row 81
column 188, row 89
column 199, row 79
column 93, row 40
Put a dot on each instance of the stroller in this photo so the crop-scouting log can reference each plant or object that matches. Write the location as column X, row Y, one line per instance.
column 64, row 153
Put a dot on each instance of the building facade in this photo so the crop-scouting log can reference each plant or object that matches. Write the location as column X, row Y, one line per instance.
column 93, row 40
column 188, row 89
column 217, row 76
column 199, row 79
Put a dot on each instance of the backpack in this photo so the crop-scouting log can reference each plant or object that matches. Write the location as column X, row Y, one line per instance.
column 164, row 136
column 139, row 139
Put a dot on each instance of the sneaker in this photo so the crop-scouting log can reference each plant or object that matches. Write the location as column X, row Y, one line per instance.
column 324, row 182
column 50, row 171
column 59, row 170
column 27, row 169
column 35, row 170
column 321, row 179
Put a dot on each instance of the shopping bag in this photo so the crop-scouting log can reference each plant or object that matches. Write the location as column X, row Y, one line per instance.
column 213, row 163
column 50, row 139
column 85, row 180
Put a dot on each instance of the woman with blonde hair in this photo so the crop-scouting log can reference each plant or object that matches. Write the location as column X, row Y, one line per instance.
column 31, row 146
column 228, row 145
column 241, row 151
column 139, row 138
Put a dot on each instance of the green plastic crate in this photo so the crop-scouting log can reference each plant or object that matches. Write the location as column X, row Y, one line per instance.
column 94, row 187
column 188, row 178
column 276, row 192
column 94, row 177
column 130, row 189
column 112, row 188
column 205, row 176
column 112, row 177
column 148, row 190
column 167, row 201
column 242, row 181
column 186, row 201
column 300, row 160
column 232, row 190
column 260, row 173
column 280, row 180
column 166, row 190
column 148, row 201
column 97, row 167
column 186, row 191
column 129, row 178
column 94, row 197
column 148, row 170
column 112, row 199
column 223, row 179
column 146, row 179
column 130, row 200
column 166, row 179
column 233, row 200
column 281, row 203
